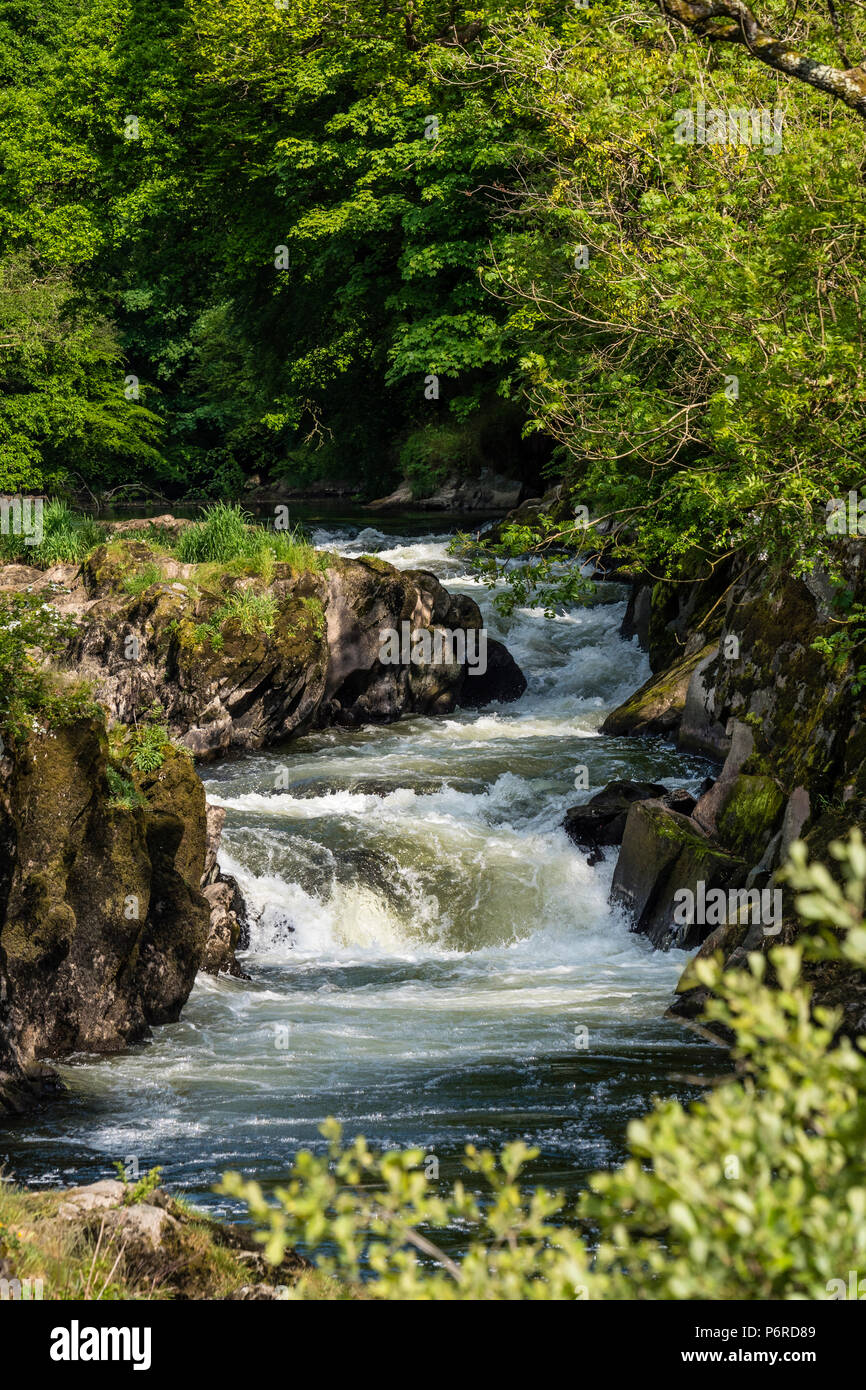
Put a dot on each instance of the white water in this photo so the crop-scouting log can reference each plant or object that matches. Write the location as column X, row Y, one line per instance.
column 426, row 944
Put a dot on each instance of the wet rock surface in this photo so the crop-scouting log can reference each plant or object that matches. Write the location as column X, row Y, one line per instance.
column 740, row 675
column 151, row 629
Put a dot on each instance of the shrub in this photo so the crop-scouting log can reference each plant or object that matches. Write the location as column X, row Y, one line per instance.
column 756, row 1192
column 29, row 626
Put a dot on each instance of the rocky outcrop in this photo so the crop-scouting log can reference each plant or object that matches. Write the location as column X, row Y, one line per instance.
column 146, row 1240
column 238, row 660
column 746, row 656
column 486, row 492
column 662, row 853
column 102, row 921
column 659, row 705
column 229, row 927
column 554, row 504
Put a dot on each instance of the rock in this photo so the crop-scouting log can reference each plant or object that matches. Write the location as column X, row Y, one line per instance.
column 797, row 812
column 173, row 525
column 317, row 664
column 151, row 1242
column 714, row 800
column 554, row 504
column 229, row 927
column 658, row 706
column 700, row 730
column 216, row 818
column 502, row 681
column 261, row 1293
column 751, row 813
column 96, row 1196
column 488, row 492
column 142, row 1228
column 224, row 934
column 601, row 820
column 102, row 924
column 636, row 621
column 14, row 578
column 662, row 852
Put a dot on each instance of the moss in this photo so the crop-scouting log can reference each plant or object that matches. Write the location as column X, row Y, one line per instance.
column 751, row 815
column 657, row 706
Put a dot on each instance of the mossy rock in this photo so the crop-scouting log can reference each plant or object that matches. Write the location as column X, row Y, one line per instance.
column 751, row 816
column 657, row 707
column 663, row 852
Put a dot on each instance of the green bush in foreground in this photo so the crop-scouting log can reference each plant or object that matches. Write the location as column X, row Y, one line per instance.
column 756, row 1192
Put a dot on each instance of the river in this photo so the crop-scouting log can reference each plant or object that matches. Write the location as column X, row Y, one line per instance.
column 432, row 961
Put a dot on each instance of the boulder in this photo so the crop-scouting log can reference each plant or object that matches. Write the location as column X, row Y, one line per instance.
column 657, row 707
column 229, row 926
column 699, row 729
column 486, row 492
column 662, row 852
column 601, row 820
column 318, row 661
column 102, row 924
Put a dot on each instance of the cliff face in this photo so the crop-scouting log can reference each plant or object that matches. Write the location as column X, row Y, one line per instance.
column 239, row 661
column 754, row 686
column 102, row 924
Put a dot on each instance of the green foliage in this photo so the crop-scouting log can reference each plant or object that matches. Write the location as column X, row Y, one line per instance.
column 754, row 1193
column 28, row 694
column 847, row 645
column 536, row 563
column 142, row 579
column 147, row 1183
column 124, row 794
column 322, row 207
column 708, row 267
column 148, row 744
column 66, row 539
column 226, row 532
column 429, row 455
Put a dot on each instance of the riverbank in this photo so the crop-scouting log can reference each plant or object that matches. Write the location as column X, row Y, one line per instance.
column 130, row 1239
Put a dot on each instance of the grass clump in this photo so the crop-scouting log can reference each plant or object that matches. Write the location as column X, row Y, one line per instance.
column 251, row 612
column 142, row 579
column 124, row 794
column 66, row 539
column 226, row 532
